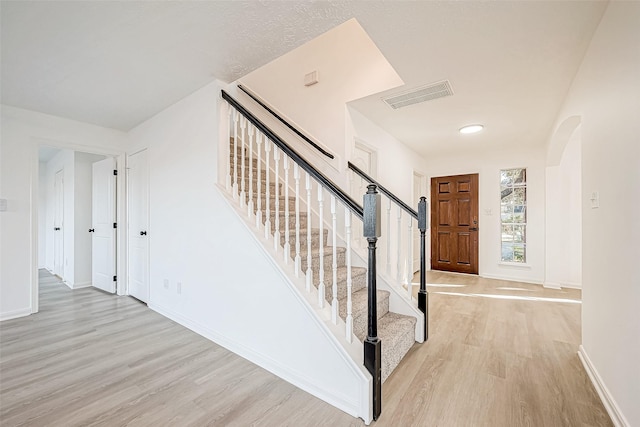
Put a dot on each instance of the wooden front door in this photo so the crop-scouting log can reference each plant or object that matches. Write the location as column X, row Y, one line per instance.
column 454, row 223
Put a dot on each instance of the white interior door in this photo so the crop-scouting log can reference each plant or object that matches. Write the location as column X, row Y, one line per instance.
column 365, row 158
column 103, row 214
column 58, row 224
column 138, row 223
column 419, row 190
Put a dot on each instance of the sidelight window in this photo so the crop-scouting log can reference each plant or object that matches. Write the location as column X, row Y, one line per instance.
column 513, row 214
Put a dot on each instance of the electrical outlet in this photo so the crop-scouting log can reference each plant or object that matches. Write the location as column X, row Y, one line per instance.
column 166, row 283
column 179, row 287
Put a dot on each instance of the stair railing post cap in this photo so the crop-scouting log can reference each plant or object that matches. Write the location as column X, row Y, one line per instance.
column 371, row 204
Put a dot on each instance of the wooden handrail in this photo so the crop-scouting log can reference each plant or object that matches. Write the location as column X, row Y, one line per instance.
column 383, row 190
column 301, row 161
column 286, row 123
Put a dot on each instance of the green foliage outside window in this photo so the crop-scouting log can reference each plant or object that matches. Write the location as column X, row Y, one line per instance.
column 513, row 214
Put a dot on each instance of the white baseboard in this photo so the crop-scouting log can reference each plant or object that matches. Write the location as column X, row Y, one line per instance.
column 79, row 285
column 552, row 285
column 572, row 285
column 609, row 403
column 511, row 279
column 15, row 314
column 343, row 402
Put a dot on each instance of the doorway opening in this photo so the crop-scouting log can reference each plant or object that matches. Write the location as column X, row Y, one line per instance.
column 64, row 208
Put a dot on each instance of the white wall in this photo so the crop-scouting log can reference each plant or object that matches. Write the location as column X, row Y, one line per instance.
column 605, row 95
column 488, row 166
column 231, row 291
column 399, row 179
column 349, row 66
column 564, row 218
column 21, row 133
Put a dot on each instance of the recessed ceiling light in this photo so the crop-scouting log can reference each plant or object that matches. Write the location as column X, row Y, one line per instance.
column 471, row 128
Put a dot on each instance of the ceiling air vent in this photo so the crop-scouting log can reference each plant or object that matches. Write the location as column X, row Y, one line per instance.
column 421, row 94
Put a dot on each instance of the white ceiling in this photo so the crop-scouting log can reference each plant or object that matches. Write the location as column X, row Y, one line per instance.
column 115, row 64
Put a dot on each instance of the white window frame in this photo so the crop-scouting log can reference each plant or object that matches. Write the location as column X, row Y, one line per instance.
column 522, row 261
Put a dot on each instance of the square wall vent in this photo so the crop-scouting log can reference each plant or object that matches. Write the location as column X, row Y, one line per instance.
column 421, row 94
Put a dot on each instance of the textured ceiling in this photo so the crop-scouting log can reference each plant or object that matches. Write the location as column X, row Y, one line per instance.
column 115, row 64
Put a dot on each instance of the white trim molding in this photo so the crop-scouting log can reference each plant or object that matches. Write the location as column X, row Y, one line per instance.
column 608, row 401
column 15, row 314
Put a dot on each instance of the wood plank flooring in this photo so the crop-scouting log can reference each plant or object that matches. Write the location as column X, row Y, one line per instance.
column 499, row 354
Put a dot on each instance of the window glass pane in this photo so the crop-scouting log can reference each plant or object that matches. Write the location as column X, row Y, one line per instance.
column 513, row 214
column 519, row 214
column 518, row 253
column 506, row 213
column 519, row 233
column 507, row 233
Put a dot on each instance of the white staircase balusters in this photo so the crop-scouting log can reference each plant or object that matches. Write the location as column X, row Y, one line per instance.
column 230, row 111
column 250, row 207
column 243, row 128
column 334, row 264
column 309, row 273
column 349, row 319
column 409, row 260
column 235, row 154
column 399, row 243
column 296, row 177
column 287, row 243
column 267, row 196
column 321, row 286
column 259, row 180
column 276, row 181
column 388, row 238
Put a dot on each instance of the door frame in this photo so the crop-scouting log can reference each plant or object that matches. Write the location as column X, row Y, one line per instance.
column 121, row 259
column 148, row 222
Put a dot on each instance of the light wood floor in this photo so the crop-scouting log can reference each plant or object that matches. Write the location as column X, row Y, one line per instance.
column 89, row 358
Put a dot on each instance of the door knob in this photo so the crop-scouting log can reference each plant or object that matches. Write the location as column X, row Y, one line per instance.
column 56, row 228
column 91, row 230
column 473, row 228
column 143, row 233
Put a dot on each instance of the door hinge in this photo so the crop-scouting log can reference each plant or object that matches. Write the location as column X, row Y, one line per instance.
column 115, row 278
column 115, row 172
column 115, row 225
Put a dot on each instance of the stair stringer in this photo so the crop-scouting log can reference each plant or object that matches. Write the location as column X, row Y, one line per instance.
column 334, row 369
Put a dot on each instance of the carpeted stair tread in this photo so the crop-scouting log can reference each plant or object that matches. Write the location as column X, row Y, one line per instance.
column 397, row 333
column 358, row 281
column 359, row 302
column 327, row 258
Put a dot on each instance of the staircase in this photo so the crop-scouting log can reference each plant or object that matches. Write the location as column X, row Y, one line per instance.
column 396, row 331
